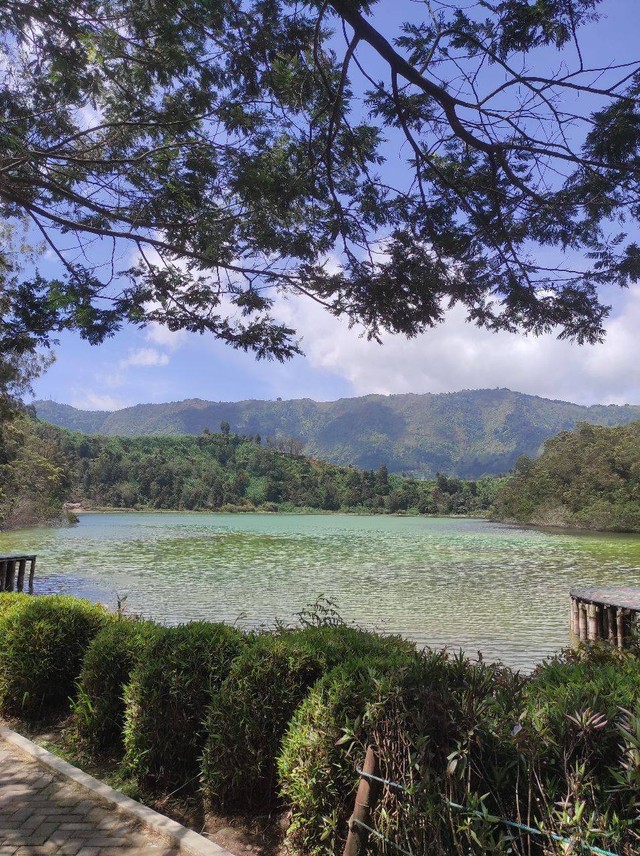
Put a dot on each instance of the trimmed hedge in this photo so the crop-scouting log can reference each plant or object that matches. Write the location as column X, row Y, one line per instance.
column 106, row 669
column 249, row 716
column 42, row 643
column 167, row 699
column 9, row 600
column 558, row 749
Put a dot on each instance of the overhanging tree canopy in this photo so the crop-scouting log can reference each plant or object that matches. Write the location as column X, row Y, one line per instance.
column 220, row 150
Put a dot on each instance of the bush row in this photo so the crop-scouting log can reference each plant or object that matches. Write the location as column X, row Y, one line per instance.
column 43, row 641
column 258, row 722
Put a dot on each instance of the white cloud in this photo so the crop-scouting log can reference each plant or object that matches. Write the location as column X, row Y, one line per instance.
column 95, row 401
column 457, row 355
column 147, row 357
column 119, row 375
column 170, row 339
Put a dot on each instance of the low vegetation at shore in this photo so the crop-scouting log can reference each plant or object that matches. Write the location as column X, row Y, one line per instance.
column 276, row 723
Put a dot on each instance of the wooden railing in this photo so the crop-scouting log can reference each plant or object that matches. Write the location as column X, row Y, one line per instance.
column 13, row 570
column 609, row 613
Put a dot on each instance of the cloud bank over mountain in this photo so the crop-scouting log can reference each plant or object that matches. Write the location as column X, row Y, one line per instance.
column 457, row 355
column 156, row 365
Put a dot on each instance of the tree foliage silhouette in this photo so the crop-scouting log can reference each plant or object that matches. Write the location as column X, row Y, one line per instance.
column 186, row 160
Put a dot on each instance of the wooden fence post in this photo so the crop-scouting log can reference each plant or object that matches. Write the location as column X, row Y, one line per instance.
column 592, row 622
column 575, row 622
column 620, row 627
column 9, row 580
column 22, row 567
column 13, row 571
column 582, row 621
column 366, row 798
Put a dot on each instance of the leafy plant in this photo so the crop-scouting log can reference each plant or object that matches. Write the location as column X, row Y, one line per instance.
column 42, row 644
column 167, row 699
column 99, row 707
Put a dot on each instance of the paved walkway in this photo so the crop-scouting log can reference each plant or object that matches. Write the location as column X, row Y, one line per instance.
column 40, row 815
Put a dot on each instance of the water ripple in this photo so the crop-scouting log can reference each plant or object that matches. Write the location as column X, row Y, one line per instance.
column 462, row 583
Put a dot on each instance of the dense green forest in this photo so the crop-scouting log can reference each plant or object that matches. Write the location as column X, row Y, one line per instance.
column 34, row 477
column 467, row 434
column 43, row 466
column 588, row 478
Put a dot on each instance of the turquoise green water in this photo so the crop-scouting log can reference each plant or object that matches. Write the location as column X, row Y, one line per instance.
column 455, row 582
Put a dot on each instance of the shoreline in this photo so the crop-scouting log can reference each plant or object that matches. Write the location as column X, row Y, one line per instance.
column 539, row 527
column 77, row 510
column 73, row 512
column 293, row 511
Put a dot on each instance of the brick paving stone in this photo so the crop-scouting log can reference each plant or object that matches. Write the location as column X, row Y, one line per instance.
column 40, row 815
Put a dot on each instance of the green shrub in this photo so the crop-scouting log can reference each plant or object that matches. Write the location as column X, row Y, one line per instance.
column 557, row 750
column 110, row 658
column 8, row 600
column 42, row 643
column 581, row 734
column 167, row 700
column 249, row 716
column 419, row 712
column 592, row 682
column 327, row 739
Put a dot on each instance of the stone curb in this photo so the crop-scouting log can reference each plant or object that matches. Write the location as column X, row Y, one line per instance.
column 186, row 840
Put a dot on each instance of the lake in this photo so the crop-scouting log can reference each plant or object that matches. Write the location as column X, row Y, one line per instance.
column 463, row 583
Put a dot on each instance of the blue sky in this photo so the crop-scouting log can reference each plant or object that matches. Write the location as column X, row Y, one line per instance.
column 154, row 365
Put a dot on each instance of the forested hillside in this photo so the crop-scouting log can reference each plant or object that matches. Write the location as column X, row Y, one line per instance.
column 34, row 475
column 588, row 478
column 222, row 471
column 466, row 434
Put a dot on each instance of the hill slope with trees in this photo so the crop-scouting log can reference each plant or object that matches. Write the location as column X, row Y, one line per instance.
column 42, row 466
column 588, row 478
column 466, row 434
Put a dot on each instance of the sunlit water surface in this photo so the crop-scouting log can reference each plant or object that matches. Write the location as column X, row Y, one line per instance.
column 458, row 582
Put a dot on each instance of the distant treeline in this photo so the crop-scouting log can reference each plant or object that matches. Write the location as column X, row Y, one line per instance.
column 587, row 478
column 211, row 472
column 469, row 434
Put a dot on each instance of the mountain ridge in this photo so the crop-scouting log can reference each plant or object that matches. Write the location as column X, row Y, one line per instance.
column 469, row 433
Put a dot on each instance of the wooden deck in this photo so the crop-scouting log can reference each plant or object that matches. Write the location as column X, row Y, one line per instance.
column 13, row 571
column 610, row 613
